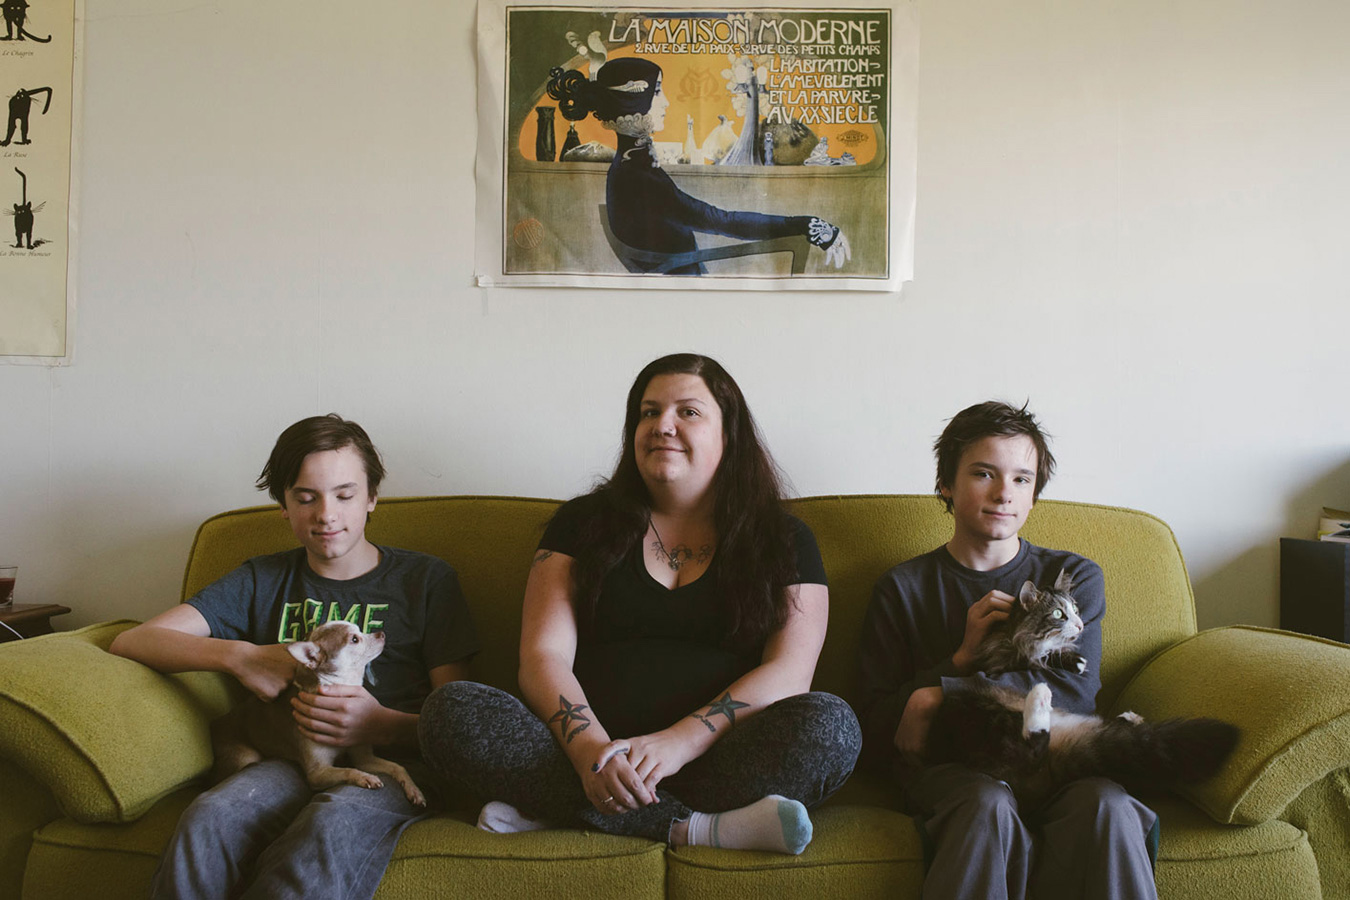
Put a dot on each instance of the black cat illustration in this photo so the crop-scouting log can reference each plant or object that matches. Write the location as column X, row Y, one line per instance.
column 16, row 13
column 19, row 107
column 23, row 216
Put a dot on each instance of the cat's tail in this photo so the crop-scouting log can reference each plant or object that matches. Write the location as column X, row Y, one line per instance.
column 1152, row 755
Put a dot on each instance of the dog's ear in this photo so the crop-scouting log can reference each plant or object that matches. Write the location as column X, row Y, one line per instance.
column 307, row 653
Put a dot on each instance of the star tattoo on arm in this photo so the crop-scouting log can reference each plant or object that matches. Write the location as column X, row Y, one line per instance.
column 570, row 714
column 724, row 707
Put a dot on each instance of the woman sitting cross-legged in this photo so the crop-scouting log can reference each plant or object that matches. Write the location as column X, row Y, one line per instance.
column 672, row 621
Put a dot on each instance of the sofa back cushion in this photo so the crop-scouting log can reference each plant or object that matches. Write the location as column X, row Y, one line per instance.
column 1149, row 604
column 491, row 540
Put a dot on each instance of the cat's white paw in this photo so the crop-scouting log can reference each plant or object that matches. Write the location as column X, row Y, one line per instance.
column 1132, row 717
column 1036, row 710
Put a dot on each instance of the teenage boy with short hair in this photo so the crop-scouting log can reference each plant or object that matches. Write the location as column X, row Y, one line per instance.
column 926, row 618
column 263, row 830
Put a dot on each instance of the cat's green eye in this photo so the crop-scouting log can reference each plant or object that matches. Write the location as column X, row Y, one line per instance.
column 1058, row 614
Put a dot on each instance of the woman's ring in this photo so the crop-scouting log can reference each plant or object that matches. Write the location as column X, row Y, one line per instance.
column 608, row 800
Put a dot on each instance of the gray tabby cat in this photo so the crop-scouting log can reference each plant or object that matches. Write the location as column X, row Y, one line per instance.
column 1036, row 749
column 1040, row 633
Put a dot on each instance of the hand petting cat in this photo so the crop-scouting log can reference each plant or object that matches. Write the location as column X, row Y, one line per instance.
column 982, row 617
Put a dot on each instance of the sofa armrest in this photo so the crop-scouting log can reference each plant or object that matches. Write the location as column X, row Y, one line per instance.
column 1287, row 692
column 107, row 736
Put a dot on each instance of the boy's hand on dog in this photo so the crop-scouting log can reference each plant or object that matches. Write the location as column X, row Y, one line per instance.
column 340, row 715
column 265, row 669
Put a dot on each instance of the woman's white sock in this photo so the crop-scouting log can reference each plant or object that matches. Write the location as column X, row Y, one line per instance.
column 503, row 818
column 774, row 823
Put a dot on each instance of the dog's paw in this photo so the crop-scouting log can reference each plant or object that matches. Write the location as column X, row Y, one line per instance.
column 1132, row 717
column 414, row 795
column 369, row 781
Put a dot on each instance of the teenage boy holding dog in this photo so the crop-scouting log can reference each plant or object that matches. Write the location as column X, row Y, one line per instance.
column 926, row 618
column 263, row 832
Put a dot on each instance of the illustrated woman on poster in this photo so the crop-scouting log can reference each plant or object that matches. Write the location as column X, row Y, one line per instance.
column 646, row 209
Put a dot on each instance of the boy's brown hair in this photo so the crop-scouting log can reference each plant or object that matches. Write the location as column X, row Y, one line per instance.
column 993, row 418
column 317, row 433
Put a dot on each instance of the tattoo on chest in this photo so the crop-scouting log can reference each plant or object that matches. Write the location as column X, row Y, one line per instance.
column 570, row 716
column 542, row 555
column 677, row 556
column 724, row 707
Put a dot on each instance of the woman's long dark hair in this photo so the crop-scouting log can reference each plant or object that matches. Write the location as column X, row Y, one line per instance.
column 756, row 559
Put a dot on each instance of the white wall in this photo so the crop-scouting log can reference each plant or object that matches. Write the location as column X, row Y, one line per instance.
column 1134, row 213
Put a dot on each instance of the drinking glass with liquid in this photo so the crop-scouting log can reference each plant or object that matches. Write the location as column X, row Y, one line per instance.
column 7, row 576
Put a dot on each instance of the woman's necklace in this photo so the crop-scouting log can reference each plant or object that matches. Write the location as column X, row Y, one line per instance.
column 680, row 554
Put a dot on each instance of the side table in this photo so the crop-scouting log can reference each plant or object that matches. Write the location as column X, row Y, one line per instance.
column 1315, row 588
column 29, row 619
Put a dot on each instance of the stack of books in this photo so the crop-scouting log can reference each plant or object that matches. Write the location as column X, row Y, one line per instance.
column 1334, row 525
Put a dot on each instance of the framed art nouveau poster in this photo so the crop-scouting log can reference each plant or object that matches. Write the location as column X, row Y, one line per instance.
column 696, row 146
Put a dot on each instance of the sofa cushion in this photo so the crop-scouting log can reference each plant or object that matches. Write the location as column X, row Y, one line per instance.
column 1285, row 691
column 107, row 761
column 437, row 856
column 1323, row 810
column 855, row 851
column 868, row 851
column 446, row 851
column 73, row 861
column 1198, row 857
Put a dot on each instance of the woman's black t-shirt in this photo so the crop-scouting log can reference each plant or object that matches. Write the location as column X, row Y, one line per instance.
column 657, row 654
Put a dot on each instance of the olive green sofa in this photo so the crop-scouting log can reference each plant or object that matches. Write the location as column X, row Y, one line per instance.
column 98, row 754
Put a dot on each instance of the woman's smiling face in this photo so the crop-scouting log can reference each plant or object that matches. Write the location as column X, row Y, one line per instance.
column 679, row 434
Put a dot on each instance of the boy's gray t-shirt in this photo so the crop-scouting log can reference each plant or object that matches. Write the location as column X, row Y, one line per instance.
column 414, row 598
column 917, row 620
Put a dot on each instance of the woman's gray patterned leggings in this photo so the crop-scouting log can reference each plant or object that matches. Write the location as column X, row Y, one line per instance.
column 490, row 744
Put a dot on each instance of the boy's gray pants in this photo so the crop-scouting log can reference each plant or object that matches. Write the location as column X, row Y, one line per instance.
column 1092, row 841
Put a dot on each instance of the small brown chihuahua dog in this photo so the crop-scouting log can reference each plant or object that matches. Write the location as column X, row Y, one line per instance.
column 334, row 653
